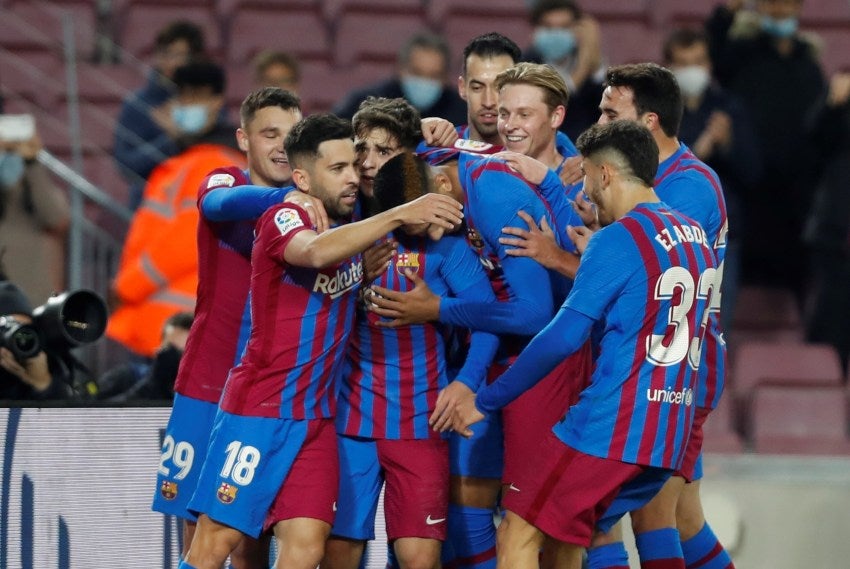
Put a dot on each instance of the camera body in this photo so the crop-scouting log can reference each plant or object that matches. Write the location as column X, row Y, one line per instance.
column 67, row 320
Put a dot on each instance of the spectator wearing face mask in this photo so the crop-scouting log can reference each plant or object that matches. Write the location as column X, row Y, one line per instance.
column 762, row 58
column 568, row 39
column 719, row 131
column 421, row 75
column 158, row 273
column 34, row 217
column 142, row 139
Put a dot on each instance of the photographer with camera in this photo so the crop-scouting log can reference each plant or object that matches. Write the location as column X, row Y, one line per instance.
column 26, row 372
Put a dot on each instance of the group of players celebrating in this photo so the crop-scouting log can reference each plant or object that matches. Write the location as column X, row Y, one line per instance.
column 476, row 318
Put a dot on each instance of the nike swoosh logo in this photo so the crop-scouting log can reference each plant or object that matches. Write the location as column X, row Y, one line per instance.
column 334, row 506
column 431, row 521
column 514, row 488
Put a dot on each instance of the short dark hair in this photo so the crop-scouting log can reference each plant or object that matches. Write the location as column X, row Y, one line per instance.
column 402, row 179
column 396, row 116
column 541, row 7
column 655, row 90
column 267, row 58
column 303, row 141
column 682, row 38
column 489, row 45
column 180, row 320
column 181, row 30
column 631, row 142
column 424, row 40
column 267, row 97
column 200, row 74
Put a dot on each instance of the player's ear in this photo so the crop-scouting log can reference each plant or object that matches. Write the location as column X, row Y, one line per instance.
column 558, row 116
column 442, row 184
column 242, row 139
column 301, row 179
column 461, row 87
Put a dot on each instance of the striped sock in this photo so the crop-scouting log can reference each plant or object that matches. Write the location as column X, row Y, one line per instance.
column 704, row 551
column 610, row 556
column 660, row 549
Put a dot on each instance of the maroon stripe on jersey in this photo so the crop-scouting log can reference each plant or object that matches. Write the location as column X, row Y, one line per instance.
column 628, row 394
column 321, row 328
column 670, row 169
column 433, row 370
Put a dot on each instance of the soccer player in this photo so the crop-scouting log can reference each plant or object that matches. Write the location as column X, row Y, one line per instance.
column 396, row 375
column 272, row 459
column 642, row 275
column 225, row 233
column 493, row 195
column 649, row 94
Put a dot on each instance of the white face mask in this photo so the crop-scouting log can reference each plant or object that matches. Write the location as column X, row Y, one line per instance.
column 693, row 79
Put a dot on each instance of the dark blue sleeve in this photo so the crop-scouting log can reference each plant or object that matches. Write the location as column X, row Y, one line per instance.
column 241, row 202
column 565, row 334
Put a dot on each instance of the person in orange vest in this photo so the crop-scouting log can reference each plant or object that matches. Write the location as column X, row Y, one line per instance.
column 158, row 273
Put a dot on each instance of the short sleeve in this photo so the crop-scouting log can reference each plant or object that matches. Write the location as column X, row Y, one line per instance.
column 278, row 226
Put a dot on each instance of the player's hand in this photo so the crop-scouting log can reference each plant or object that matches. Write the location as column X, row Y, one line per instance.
column 586, row 211
column 440, row 210
column 571, row 172
column 314, row 207
column 415, row 306
column 376, row 260
column 535, row 242
column 465, row 415
column 33, row 371
column 438, row 132
column 579, row 235
column 447, row 400
column 529, row 168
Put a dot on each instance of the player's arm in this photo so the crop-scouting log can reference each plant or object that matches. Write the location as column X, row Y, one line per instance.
column 311, row 249
column 563, row 336
column 238, row 203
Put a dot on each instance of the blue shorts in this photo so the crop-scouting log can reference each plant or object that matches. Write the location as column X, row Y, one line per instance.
column 416, row 495
column 184, row 448
column 482, row 454
column 246, row 465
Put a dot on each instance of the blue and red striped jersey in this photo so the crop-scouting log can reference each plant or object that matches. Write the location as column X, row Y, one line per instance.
column 689, row 186
column 301, row 319
column 224, row 274
column 645, row 276
column 397, row 373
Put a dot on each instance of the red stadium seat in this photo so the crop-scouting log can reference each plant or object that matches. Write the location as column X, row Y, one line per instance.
column 38, row 25
column 636, row 10
column 355, row 43
column 629, row 42
column 107, row 83
column 763, row 362
column 835, row 53
column 324, row 86
column 141, row 22
column 832, row 13
column 759, row 308
column 460, row 29
column 37, row 76
column 301, row 33
column 228, row 8
column 440, row 12
column 334, row 9
column 719, row 429
column 692, row 13
column 800, row 420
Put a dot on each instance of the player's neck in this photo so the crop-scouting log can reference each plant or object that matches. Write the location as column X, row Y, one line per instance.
column 550, row 156
column 667, row 146
column 635, row 194
column 495, row 139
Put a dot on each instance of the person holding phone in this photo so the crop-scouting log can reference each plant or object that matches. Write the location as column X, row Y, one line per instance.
column 34, row 213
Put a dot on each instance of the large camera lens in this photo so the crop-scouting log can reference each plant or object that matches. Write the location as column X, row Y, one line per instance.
column 20, row 339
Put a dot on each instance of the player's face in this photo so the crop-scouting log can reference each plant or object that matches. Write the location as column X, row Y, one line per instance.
column 374, row 148
column 594, row 187
column 263, row 139
column 525, row 121
column 617, row 103
column 482, row 99
column 333, row 178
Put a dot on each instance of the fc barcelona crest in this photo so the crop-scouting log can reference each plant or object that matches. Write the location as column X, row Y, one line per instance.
column 168, row 490
column 406, row 261
column 226, row 493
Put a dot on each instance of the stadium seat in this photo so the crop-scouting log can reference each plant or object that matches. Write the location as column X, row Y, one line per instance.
column 800, row 420
column 229, row 8
column 38, row 25
column 636, row 10
column 37, row 76
column 692, row 13
column 355, row 43
column 460, row 29
column 720, row 431
column 440, row 12
column 141, row 22
column 334, row 9
column 835, row 51
column 301, row 33
column 760, row 308
column 832, row 13
column 107, row 83
column 629, row 42
column 775, row 363
column 323, row 86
